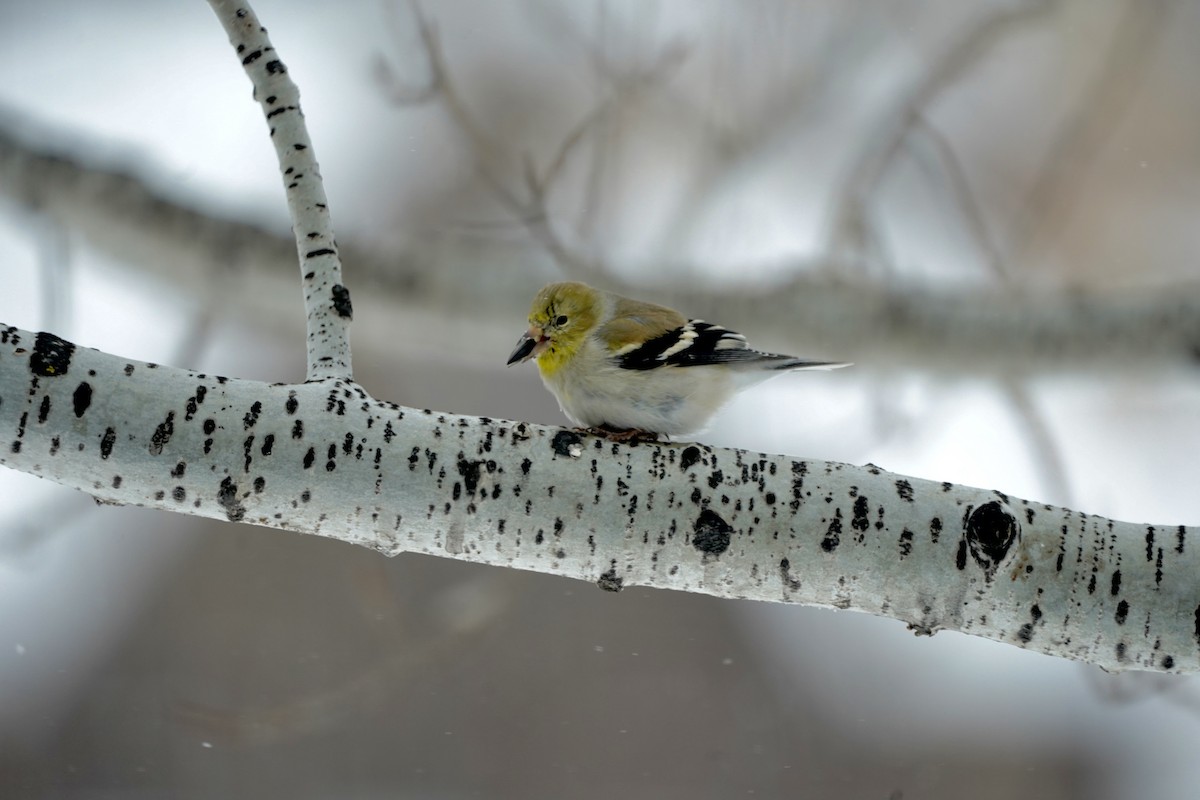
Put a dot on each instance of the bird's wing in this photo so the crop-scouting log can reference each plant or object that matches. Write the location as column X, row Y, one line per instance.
column 635, row 322
column 693, row 344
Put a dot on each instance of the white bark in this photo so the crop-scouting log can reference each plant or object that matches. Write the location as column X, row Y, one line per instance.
column 324, row 457
column 326, row 298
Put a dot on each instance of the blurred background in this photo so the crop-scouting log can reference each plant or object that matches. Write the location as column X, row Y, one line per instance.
column 683, row 150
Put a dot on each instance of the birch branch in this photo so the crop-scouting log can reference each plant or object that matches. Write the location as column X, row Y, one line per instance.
column 326, row 298
column 327, row 458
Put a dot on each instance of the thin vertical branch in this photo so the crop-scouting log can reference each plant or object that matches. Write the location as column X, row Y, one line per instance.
column 326, row 298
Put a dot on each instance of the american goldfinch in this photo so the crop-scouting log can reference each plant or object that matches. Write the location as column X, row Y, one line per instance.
column 626, row 368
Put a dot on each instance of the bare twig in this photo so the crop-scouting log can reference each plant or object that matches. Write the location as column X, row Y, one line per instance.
column 960, row 190
column 1047, row 458
column 850, row 225
column 1049, row 204
column 530, row 208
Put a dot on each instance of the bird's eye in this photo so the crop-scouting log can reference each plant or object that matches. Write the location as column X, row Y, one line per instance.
column 561, row 319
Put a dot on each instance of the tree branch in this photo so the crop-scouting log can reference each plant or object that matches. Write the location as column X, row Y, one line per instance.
column 327, row 458
column 959, row 331
column 326, row 298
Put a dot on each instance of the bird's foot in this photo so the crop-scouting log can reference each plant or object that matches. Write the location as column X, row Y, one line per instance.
column 626, row 436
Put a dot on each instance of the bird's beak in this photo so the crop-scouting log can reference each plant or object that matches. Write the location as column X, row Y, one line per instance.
column 530, row 345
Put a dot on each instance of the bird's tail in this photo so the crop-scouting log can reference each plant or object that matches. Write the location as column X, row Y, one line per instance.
column 781, row 363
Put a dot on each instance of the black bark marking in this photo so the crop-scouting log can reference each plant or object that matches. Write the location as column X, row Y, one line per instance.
column 715, row 478
column 689, row 457
column 1116, row 583
column 1150, row 543
column 209, row 426
column 563, row 441
column 252, row 416
column 106, row 442
column 162, row 434
column 904, row 490
column 179, row 494
column 82, row 398
column 799, row 470
column 309, row 458
column 610, row 581
column 1122, row 612
column 51, row 355
column 711, row 534
column 292, row 403
column 833, row 534
column 341, row 301
column 298, row 430
column 859, row 521
column 321, row 251
column 990, row 532
column 1168, row 662
column 470, row 472
column 179, row 469
column 785, row 572
column 227, row 498
column 1179, row 537
column 906, row 542
column 268, row 444
column 960, row 558
column 935, row 529
column 1026, row 631
column 44, row 410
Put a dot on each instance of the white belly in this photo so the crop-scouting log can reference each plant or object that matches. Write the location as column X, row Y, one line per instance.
column 670, row 400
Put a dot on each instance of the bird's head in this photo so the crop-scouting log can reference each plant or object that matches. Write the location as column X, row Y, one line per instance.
column 559, row 320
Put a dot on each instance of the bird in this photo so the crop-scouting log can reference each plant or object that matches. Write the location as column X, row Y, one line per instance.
column 632, row 370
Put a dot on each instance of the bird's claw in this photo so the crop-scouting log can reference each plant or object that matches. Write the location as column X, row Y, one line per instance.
column 627, row 436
